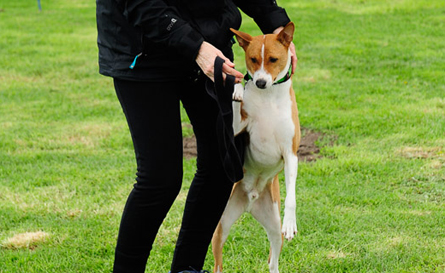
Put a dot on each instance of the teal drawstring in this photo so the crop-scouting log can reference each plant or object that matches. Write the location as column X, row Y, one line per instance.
column 134, row 61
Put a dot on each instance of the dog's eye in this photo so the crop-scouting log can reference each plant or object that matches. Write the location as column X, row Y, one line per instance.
column 273, row 60
column 253, row 60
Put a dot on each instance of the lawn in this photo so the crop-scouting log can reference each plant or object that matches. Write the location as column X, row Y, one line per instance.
column 370, row 78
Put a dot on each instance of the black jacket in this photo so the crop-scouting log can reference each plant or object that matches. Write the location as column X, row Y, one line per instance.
column 161, row 38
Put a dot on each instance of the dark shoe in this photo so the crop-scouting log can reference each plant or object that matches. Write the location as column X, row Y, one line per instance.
column 194, row 271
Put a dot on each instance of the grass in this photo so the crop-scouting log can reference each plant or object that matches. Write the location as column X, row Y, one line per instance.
column 370, row 76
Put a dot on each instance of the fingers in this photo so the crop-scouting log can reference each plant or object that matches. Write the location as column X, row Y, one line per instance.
column 229, row 70
column 294, row 58
column 206, row 60
column 227, row 61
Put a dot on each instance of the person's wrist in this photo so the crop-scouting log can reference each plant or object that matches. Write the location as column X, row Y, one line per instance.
column 278, row 30
column 200, row 48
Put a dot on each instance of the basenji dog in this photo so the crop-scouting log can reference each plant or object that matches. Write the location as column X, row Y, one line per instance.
column 268, row 113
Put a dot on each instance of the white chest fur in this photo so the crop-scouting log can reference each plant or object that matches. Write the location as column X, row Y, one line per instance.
column 271, row 129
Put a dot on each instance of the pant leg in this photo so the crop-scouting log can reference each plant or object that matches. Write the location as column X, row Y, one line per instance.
column 210, row 189
column 153, row 115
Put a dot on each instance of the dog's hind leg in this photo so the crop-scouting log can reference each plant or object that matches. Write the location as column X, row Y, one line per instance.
column 235, row 207
column 217, row 247
column 266, row 210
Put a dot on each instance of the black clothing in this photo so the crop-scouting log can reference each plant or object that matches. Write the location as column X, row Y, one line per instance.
column 153, row 115
column 167, row 34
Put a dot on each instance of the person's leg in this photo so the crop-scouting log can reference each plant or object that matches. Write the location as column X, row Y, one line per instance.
column 210, row 188
column 153, row 115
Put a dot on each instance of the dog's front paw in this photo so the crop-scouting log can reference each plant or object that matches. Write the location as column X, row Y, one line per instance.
column 238, row 94
column 289, row 228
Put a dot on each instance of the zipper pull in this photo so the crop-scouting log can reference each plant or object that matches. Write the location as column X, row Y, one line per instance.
column 134, row 61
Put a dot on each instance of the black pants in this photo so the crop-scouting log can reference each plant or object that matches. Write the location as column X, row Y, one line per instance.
column 153, row 115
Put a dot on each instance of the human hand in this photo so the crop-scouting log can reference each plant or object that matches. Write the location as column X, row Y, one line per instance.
column 206, row 61
column 294, row 58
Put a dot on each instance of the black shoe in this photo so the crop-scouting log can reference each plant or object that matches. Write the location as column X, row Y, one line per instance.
column 194, row 271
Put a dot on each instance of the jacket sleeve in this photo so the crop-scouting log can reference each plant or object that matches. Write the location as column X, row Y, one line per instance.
column 161, row 24
column 266, row 13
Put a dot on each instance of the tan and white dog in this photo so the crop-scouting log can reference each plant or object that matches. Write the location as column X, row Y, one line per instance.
column 268, row 113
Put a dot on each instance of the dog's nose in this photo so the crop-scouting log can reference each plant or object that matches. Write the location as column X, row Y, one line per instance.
column 261, row 83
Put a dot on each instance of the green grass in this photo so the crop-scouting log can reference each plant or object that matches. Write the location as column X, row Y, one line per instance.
column 371, row 76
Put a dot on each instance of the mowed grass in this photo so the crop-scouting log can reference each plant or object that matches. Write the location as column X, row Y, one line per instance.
column 370, row 77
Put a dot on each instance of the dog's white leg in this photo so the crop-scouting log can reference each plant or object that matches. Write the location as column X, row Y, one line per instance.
column 267, row 212
column 238, row 93
column 239, row 119
column 235, row 207
column 290, row 172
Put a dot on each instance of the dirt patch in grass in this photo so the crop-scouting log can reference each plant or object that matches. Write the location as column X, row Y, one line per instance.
column 336, row 255
column 422, row 152
column 308, row 150
column 28, row 240
column 189, row 147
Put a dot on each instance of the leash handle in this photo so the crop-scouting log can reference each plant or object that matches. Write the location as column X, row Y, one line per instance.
column 224, row 89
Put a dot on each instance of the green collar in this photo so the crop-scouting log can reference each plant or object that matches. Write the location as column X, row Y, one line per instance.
column 286, row 77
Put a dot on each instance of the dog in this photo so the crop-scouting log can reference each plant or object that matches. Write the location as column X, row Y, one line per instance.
column 268, row 112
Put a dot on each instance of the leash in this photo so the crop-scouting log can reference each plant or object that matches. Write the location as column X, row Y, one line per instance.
column 231, row 148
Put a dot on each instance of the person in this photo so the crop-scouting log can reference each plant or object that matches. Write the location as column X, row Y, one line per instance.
column 160, row 53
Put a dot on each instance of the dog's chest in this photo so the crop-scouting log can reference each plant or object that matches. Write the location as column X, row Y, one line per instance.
column 270, row 127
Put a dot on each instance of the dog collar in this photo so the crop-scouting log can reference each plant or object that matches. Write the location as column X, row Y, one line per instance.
column 286, row 77
column 247, row 77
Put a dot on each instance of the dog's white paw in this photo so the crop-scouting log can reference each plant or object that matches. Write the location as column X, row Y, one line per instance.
column 289, row 228
column 238, row 94
column 273, row 268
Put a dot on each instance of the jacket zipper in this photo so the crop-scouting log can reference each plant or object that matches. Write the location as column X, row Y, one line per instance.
column 134, row 61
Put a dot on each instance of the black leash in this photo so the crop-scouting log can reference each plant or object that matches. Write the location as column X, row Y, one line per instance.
column 231, row 148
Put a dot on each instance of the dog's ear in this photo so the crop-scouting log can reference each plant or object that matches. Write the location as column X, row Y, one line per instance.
column 286, row 35
column 244, row 39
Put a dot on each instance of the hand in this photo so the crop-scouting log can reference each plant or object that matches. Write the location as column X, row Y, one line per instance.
column 206, row 61
column 294, row 58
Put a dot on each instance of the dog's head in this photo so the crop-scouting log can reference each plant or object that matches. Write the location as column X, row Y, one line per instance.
column 267, row 56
